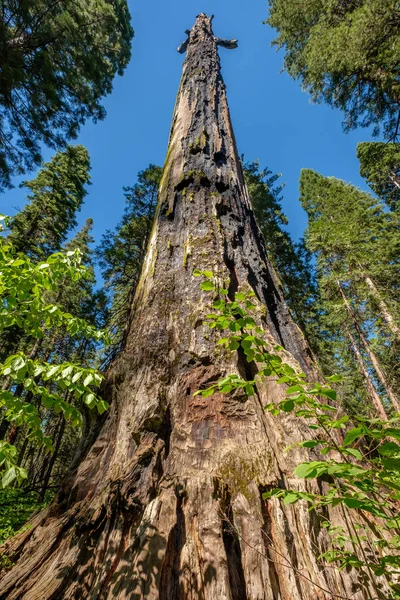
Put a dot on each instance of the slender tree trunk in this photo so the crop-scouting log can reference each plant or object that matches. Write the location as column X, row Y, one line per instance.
column 394, row 179
column 372, row 356
column 394, row 328
column 53, row 458
column 167, row 504
column 22, row 452
column 375, row 399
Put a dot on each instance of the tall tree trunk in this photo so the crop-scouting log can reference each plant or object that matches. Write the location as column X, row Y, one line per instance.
column 385, row 312
column 375, row 399
column 372, row 356
column 167, row 504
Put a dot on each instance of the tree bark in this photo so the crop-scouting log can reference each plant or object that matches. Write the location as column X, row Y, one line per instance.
column 167, row 504
column 372, row 356
column 394, row 328
column 375, row 399
column 53, row 458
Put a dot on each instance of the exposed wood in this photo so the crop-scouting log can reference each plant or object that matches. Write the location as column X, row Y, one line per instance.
column 372, row 356
column 375, row 399
column 386, row 314
column 167, row 502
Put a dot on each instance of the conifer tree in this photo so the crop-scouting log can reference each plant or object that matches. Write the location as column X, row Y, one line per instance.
column 291, row 260
column 345, row 53
column 41, row 227
column 57, row 61
column 54, row 197
column 380, row 165
column 121, row 252
column 355, row 242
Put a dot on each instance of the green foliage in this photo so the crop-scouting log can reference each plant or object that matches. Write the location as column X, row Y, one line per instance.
column 121, row 253
column 354, row 240
column 380, row 165
column 291, row 260
column 24, row 293
column 16, row 507
column 346, row 53
column 56, row 194
column 57, row 61
column 361, row 469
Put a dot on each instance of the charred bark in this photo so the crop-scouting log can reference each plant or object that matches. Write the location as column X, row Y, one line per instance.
column 166, row 503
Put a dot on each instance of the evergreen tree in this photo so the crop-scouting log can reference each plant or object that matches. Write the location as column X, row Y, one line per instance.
column 380, row 165
column 291, row 260
column 56, row 194
column 346, row 53
column 121, row 252
column 356, row 245
column 41, row 227
column 57, row 61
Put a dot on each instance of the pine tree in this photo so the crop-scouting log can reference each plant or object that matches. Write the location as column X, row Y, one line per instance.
column 57, row 61
column 355, row 242
column 346, row 53
column 168, row 503
column 41, row 227
column 291, row 260
column 380, row 165
column 121, row 252
column 55, row 196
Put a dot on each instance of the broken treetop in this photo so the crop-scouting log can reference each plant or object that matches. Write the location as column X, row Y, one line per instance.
column 201, row 30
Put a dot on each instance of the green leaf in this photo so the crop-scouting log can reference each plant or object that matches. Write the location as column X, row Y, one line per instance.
column 353, row 435
column 353, row 452
column 102, row 406
column 207, row 392
column 394, row 433
column 389, row 449
column 208, row 274
column 290, row 498
column 9, row 476
column 353, row 502
column 294, row 388
column 391, row 464
column 239, row 296
column 310, row 443
column 335, row 378
column 287, row 406
column 305, row 469
column 207, row 286
column 328, row 393
column 90, row 400
column 88, row 379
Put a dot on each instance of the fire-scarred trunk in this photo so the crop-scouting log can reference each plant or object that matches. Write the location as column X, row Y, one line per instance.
column 167, row 504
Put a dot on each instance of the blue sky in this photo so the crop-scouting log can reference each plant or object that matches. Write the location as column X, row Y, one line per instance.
column 273, row 119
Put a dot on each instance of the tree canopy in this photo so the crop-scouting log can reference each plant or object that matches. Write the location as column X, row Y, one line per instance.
column 57, row 61
column 380, row 165
column 56, row 194
column 346, row 53
column 121, row 252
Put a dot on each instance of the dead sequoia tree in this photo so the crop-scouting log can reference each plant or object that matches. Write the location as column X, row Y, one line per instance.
column 167, row 503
